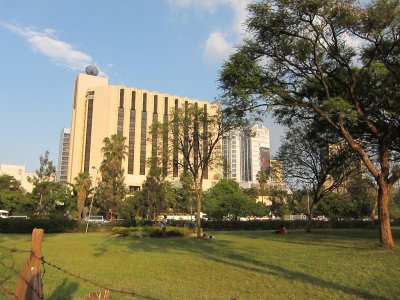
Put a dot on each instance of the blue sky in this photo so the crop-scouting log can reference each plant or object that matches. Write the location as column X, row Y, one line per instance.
column 171, row 46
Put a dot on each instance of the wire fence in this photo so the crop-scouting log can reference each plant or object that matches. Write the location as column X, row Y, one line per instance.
column 7, row 262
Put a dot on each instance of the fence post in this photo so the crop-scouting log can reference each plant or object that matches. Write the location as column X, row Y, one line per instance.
column 29, row 285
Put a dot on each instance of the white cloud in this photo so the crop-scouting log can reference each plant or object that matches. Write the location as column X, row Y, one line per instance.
column 219, row 43
column 47, row 43
column 216, row 48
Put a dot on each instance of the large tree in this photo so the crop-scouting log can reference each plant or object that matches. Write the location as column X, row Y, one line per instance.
column 333, row 58
column 112, row 189
column 317, row 161
column 43, row 183
column 193, row 135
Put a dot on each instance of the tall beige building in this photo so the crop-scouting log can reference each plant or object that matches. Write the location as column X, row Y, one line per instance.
column 101, row 110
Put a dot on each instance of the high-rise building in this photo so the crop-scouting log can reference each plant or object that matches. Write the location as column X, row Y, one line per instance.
column 246, row 153
column 63, row 153
column 101, row 110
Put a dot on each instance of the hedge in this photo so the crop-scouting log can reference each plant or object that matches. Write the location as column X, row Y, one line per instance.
column 12, row 225
column 153, row 231
column 274, row 224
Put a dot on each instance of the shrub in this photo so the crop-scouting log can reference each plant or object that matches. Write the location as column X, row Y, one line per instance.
column 54, row 225
column 153, row 231
column 123, row 231
column 274, row 224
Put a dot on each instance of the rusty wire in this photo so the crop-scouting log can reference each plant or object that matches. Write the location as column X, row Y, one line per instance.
column 119, row 291
column 79, row 277
column 11, row 268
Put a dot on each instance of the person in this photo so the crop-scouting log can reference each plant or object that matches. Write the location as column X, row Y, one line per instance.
column 164, row 222
column 281, row 230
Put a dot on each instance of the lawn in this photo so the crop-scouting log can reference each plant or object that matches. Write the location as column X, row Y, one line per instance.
column 327, row 264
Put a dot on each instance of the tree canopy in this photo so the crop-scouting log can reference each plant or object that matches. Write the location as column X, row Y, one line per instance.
column 335, row 59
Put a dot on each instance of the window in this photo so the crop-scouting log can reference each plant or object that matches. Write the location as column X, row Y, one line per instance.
column 89, row 119
column 120, row 125
column 143, row 136
column 132, row 122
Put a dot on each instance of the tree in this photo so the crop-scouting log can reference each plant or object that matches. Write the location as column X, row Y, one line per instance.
column 112, row 187
column 83, row 183
column 310, row 160
column 43, row 182
column 226, row 199
column 336, row 59
column 155, row 193
column 12, row 196
column 262, row 178
column 279, row 201
column 196, row 134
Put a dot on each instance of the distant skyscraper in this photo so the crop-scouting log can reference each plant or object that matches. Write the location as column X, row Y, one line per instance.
column 246, row 153
column 62, row 171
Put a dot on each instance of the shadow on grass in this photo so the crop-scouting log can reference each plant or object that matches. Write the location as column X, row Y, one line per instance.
column 275, row 270
column 223, row 251
column 329, row 238
column 64, row 291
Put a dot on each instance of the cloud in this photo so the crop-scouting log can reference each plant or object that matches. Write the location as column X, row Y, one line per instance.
column 216, row 48
column 219, row 43
column 60, row 52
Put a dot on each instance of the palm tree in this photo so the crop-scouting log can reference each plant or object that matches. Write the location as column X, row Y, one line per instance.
column 83, row 183
column 112, row 174
column 262, row 178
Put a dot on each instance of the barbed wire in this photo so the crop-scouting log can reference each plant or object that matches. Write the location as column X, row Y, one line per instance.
column 14, row 250
column 7, row 292
column 119, row 291
column 45, row 262
column 17, row 272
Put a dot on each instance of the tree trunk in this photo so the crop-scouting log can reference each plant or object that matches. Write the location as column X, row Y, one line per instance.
column 198, row 191
column 374, row 208
column 309, row 222
column 81, row 203
column 385, row 232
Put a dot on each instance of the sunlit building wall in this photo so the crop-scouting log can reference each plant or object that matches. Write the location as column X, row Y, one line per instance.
column 101, row 110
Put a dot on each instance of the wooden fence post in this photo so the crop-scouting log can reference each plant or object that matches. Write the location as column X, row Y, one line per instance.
column 29, row 285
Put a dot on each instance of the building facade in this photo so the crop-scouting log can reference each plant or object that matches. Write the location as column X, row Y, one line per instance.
column 246, row 154
column 63, row 155
column 101, row 110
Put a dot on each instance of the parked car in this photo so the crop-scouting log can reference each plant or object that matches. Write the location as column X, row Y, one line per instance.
column 19, row 217
column 3, row 214
column 96, row 219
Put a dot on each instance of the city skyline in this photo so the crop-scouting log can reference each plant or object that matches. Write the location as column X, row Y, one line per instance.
column 170, row 46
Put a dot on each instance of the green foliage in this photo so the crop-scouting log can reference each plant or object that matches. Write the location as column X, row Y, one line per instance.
column 274, row 224
column 111, row 189
column 123, row 231
column 298, row 63
column 13, row 198
column 227, row 199
column 153, row 231
column 53, row 225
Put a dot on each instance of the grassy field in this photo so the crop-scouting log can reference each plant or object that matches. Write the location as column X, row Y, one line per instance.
column 327, row 264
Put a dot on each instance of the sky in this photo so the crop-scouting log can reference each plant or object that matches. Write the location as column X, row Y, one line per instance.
column 171, row 46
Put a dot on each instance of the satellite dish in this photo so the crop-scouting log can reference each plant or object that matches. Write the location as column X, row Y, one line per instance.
column 92, row 70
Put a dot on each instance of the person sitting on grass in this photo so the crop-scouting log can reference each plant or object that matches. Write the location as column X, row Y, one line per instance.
column 281, row 230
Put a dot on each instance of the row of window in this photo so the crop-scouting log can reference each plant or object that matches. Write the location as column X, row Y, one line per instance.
column 143, row 134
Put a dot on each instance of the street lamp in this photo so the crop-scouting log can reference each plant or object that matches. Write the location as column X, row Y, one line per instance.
column 91, row 202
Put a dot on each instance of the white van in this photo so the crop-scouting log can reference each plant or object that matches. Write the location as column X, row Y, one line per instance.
column 3, row 214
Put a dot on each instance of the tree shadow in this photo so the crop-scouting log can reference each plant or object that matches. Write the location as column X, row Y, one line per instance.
column 222, row 251
column 64, row 291
column 275, row 270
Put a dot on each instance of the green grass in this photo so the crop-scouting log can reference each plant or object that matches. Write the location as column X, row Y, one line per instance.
column 327, row 264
